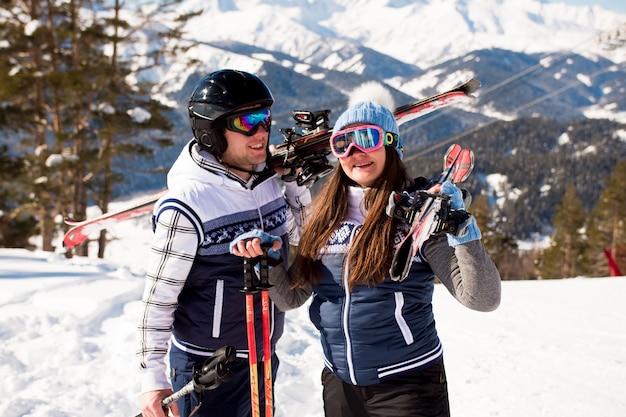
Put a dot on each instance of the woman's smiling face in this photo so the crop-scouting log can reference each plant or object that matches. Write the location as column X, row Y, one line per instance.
column 364, row 168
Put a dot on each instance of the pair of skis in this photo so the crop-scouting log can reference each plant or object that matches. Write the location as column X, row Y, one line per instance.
column 428, row 212
column 249, row 290
column 308, row 152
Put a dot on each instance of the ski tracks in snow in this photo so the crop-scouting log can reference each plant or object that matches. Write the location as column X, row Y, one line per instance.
column 81, row 326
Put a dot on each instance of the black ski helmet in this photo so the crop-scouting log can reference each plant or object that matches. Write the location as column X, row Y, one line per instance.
column 218, row 95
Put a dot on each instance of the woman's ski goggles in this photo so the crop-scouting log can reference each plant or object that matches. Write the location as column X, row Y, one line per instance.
column 366, row 138
column 248, row 122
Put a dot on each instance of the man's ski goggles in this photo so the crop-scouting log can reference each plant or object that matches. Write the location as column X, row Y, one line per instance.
column 366, row 138
column 248, row 122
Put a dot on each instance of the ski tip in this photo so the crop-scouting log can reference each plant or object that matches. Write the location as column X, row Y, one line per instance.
column 68, row 243
column 73, row 239
column 470, row 86
column 69, row 221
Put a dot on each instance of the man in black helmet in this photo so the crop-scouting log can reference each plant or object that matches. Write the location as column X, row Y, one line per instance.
column 218, row 188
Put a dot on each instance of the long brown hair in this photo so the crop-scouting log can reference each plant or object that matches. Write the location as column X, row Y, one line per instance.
column 371, row 253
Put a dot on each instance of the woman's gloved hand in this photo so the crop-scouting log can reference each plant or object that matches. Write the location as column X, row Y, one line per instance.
column 469, row 231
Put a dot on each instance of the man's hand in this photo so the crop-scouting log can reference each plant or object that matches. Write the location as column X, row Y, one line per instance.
column 251, row 248
column 250, row 244
column 150, row 403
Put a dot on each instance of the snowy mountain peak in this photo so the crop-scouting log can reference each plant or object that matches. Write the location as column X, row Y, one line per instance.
column 337, row 34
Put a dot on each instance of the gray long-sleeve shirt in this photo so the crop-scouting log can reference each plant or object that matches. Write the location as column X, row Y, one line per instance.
column 466, row 271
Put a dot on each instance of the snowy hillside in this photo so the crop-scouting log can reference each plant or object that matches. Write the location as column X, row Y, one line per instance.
column 313, row 52
column 552, row 349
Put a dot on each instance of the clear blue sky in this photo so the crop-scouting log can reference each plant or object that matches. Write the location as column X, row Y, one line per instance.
column 615, row 5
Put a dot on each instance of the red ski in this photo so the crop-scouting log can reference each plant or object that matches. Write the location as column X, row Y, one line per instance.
column 423, row 107
column 80, row 230
column 309, row 151
column 458, row 165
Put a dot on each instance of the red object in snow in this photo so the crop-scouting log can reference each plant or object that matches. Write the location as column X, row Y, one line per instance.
column 613, row 268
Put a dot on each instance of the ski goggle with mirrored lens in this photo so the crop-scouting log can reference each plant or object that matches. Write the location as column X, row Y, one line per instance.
column 248, row 122
column 366, row 138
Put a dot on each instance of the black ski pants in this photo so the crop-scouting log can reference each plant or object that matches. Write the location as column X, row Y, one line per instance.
column 420, row 394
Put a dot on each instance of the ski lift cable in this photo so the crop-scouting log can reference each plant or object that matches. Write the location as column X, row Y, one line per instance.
column 549, row 61
column 544, row 64
column 544, row 97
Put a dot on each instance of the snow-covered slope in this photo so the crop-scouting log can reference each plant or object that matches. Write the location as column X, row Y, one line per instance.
column 553, row 348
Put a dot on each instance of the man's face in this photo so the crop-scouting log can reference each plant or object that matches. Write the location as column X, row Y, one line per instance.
column 246, row 151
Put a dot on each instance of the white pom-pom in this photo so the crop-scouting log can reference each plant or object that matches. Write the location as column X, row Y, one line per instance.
column 372, row 91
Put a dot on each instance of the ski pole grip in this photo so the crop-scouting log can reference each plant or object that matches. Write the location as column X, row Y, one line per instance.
column 248, row 276
column 264, row 275
column 215, row 369
column 210, row 375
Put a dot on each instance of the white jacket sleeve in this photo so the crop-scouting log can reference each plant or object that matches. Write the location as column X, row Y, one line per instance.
column 173, row 249
column 298, row 198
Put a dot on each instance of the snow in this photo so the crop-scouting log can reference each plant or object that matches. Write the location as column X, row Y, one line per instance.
column 553, row 348
column 620, row 134
column 326, row 34
column 139, row 115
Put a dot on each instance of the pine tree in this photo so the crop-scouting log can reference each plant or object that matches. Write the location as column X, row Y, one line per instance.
column 501, row 247
column 16, row 226
column 607, row 224
column 71, row 100
column 566, row 256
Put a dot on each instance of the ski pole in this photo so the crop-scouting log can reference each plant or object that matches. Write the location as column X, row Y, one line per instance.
column 267, row 351
column 250, row 289
column 206, row 376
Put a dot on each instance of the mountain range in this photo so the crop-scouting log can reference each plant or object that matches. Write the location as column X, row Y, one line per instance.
column 534, row 59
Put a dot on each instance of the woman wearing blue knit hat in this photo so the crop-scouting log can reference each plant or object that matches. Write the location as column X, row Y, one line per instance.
column 382, row 353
